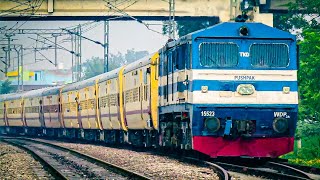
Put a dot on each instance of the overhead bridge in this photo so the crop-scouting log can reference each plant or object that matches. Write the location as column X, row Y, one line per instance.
column 225, row 10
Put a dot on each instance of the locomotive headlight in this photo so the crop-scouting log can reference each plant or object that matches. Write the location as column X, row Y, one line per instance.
column 286, row 90
column 204, row 89
column 212, row 124
column 280, row 125
column 245, row 89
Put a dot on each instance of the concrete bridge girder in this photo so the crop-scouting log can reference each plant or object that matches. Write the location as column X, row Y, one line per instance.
column 132, row 7
column 48, row 9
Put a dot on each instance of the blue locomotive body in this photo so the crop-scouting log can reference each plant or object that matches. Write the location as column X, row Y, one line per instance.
column 237, row 86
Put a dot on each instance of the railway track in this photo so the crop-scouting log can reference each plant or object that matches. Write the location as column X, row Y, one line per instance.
column 64, row 163
column 222, row 173
column 270, row 170
column 308, row 169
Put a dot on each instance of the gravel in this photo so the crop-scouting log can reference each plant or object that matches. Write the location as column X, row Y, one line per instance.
column 17, row 164
column 239, row 176
column 150, row 165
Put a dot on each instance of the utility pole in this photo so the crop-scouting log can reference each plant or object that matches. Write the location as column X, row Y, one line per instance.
column 55, row 49
column 19, row 51
column 72, row 57
column 9, row 48
column 80, row 53
column 77, row 50
column 106, row 46
column 172, row 24
column 234, row 9
column 6, row 60
column 18, row 57
column 21, row 67
column 76, row 59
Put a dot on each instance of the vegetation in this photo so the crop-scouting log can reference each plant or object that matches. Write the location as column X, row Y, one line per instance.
column 94, row 66
column 304, row 19
column 6, row 87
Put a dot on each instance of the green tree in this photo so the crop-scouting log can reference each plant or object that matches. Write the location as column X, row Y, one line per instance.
column 94, row 66
column 309, row 79
column 302, row 15
column 132, row 55
column 303, row 18
column 6, row 87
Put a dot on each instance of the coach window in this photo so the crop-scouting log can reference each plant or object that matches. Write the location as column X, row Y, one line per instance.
column 183, row 58
column 165, row 65
column 269, row 55
column 219, row 54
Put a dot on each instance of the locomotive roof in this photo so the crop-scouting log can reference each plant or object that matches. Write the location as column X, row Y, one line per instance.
column 138, row 63
column 231, row 30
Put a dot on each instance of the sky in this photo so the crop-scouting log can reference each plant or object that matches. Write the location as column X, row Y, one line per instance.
column 124, row 35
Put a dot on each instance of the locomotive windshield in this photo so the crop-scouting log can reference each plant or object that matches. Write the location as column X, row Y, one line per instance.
column 228, row 55
column 219, row 54
column 269, row 55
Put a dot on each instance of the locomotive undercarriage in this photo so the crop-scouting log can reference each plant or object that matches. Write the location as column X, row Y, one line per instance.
column 175, row 131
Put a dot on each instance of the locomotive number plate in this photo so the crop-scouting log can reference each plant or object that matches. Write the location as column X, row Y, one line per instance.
column 207, row 113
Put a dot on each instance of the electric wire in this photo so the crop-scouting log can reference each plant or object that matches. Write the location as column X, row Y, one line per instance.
column 38, row 7
column 94, row 24
column 136, row 19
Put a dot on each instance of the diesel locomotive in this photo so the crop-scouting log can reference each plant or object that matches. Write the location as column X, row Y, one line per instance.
column 227, row 90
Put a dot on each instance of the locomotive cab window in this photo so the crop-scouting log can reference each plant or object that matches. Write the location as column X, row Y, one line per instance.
column 219, row 54
column 269, row 55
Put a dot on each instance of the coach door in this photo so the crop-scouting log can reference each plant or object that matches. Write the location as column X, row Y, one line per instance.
column 2, row 113
column 164, row 89
column 154, row 89
column 145, row 97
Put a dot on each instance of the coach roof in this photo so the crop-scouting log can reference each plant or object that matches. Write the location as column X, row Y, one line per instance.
column 34, row 93
column 137, row 64
column 81, row 84
column 51, row 91
column 14, row 96
column 109, row 75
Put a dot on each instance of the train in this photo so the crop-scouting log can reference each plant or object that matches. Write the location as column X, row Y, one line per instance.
column 229, row 90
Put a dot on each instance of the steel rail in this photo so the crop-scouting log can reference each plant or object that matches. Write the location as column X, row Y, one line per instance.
column 113, row 167
column 289, row 167
column 222, row 173
column 308, row 169
column 51, row 169
column 261, row 171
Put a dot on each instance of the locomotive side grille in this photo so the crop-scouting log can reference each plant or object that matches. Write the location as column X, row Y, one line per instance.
column 219, row 54
column 269, row 55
